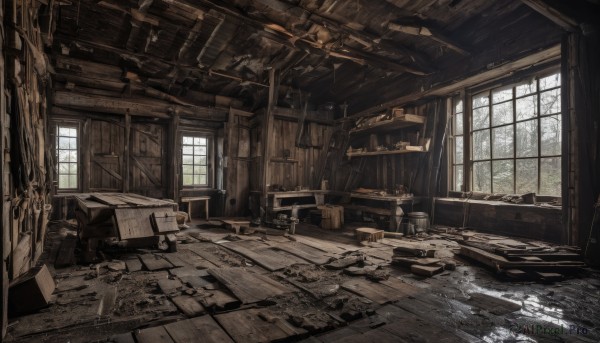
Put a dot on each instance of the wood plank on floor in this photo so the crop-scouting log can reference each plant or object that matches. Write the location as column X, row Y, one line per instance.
column 494, row 305
column 305, row 252
column 156, row 334
column 248, row 326
column 377, row 292
column 155, row 262
column 199, row 329
column 249, row 287
column 262, row 255
column 187, row 305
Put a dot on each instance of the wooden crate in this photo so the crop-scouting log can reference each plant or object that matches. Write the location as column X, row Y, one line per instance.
column 332, row 217
column 33, row 292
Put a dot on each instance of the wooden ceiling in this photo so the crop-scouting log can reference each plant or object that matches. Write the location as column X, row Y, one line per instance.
column 211, row 52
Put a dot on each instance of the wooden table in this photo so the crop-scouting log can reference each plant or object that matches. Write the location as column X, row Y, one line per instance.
column 190, row 200
column 385, row 205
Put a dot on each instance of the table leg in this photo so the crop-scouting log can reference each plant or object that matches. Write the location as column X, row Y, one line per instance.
column 190, row 211
column 206, row 207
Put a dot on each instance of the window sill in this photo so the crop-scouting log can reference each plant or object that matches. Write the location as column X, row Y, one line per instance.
column 497, row 203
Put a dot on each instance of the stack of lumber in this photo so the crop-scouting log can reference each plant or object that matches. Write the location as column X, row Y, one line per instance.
column 518, row 259
column 421, row 259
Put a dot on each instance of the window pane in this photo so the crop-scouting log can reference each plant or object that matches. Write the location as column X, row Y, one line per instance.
column 63, row 156
column 203, row 180
column 503, row 176
column 72, row 143
column 550, row 102
column 200, row 150
column 63, row 143
column 200, row 170
column 527, row 175
column 458, row 178
column 502, row 113
column 550, row 171
column 481, row 145
column 458, row 124
column 197, row 180
column 188, row 180
column 72, row 181
column 63, row 181
column 481, row 118
column 503, row 138
column 188, row 169
column 550, row 81
column 63, row 168
column 458, row 149
column 527, row 139
column 499, row 95
column 188, row 140
column 202, row 141
column 72, row 155
column 526, row 107
column 72, row 168
column 526, row 88
column 188, row 149
column 458, row 106
column 64, row 131
column 197, row 140
column 481, row 177
column 551, row 135
column 187, row 159
column 481, row 100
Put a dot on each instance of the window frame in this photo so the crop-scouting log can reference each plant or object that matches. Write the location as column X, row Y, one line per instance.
column 468, row 149
column 55, row 131
column 210, row 144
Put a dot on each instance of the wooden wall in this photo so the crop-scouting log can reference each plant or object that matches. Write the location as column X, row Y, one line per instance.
column 25, row 172
column 301, row 168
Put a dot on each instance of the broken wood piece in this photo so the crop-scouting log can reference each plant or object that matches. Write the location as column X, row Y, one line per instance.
column 168, row 286
column 133, row 265
column 248, row 326
column 217, row 299
column 344, row 262
column 550, row 277
column 154, row 262
column 409, row 261
column 156, row 334
column 429, row 270
column 200, row 328
column 249, row 287
column 187, row 305
column 368, row 234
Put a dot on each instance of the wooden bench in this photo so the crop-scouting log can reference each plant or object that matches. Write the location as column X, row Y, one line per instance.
column 191, row 200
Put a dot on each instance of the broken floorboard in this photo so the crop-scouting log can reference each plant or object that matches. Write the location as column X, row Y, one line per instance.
column 197, row 329
column 380, row 293
column 249, row 287
column 257, row 325
column 262, row 255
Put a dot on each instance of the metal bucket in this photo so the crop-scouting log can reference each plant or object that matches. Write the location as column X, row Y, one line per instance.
column 420, row 220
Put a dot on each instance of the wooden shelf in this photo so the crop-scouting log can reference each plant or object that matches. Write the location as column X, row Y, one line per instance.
column 384, row 152
column 405, row 120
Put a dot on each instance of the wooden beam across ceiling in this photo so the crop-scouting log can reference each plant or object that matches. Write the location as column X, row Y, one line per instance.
column 561, row 19
column 430, row 33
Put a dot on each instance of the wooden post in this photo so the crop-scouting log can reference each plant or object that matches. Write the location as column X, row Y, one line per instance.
column 174, row 153
column 268, row 132
column 126, row 153
column 5, row 209
column 230, row 171
column 86, row 156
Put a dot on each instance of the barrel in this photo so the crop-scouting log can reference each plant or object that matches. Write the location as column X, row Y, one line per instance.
column 420, row 220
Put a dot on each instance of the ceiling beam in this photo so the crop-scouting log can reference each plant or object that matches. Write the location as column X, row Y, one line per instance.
column 556, row 16
column 431, row 33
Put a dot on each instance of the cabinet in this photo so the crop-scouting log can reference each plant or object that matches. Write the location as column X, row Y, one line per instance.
column 388, row 129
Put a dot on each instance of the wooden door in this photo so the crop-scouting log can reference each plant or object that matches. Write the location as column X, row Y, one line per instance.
column 148, row 160
column 106, row 156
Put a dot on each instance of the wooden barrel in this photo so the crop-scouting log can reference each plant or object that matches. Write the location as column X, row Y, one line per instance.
column 420, row 220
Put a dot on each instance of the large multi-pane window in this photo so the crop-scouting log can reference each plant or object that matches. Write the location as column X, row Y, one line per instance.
column 516, row 138
column 67, row 156
column 195, row 160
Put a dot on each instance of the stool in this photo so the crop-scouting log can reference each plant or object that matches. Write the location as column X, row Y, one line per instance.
column 190, row 200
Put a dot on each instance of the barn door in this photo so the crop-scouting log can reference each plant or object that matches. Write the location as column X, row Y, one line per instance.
column 106, row 156
column 147, row 160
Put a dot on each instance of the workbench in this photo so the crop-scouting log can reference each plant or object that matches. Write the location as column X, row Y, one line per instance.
column 383, row 205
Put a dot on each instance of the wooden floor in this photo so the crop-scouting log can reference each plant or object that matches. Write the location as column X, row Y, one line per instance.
column 315, row 286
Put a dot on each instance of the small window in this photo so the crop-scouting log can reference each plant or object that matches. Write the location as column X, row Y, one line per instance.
column 67, row 156
column 194, row 158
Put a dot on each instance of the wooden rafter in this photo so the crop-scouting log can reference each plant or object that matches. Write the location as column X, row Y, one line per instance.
column 552, row 13
column 431, row 33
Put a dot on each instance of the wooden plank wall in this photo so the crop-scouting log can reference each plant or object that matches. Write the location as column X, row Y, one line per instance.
column 299, row 169
column 25, row 176
column 237, row 174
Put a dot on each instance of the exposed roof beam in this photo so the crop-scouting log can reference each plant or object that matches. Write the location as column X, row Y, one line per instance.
column 433, row 34
column 550, row 12
column 283, row 34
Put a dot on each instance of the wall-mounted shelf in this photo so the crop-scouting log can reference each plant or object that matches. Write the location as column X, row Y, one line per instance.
column 406, row 120
column 387, row 152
